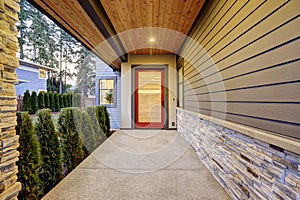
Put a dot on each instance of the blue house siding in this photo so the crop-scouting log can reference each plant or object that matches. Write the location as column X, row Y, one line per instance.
column 103, row 72
column 32, row 81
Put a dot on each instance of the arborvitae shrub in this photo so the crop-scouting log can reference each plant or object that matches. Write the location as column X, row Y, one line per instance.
column 107, row 120
column 77, row 100
column 61, row 101
column 29, row 159
column 41, row 100
column 103, row 119
column 66, row 102
column 88, row 134
column 47, row 101
column 34, row 103
column 56, row 102
column 51, row 100
column 51, row 170
column 26, row 102
column 70, row 130
column 71, row 100
column 99, row 134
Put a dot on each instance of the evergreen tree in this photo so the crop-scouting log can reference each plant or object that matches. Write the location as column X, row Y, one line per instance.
column 34, row 103
column 26, row 102
column 29, row 158
column 51, row 100
column 88, row 134
column 41, row 100
column 99, row 134
column 47, row 101
column 51, row 172
column 66, row 102
column 56, row 102
column 61, row 101
column 103, row 119
column 70, row 121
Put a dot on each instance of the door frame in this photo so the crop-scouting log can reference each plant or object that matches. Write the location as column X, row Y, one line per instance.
column 163, row 67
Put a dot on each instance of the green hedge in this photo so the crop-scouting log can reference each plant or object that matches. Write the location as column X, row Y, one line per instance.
column 26, row 102
column 51, row 101
column 47, row 100
column 51, row 172
column 69, row 122
column 61, row 101
column 34, row 103
column 56, row 102
column 29, row 159
column 103, row 119
column 99, row 134
column 41, row 100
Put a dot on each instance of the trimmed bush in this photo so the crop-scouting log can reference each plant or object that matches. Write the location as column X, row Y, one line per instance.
column 51, row 170
column 99, row 134
column 26, row 102
column 61, row 101
column 103, row 119
column 41, row 100
column 88, row 134
column 47, row 101
column 29, row 159
column 66, row 102
column 51, row 100
column 34, row 103
column 70, row 130
column 71, row 103
column 56, row 102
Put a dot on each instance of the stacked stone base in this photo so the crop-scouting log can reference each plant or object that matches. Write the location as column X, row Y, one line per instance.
column 247, row 168
column 9, row 187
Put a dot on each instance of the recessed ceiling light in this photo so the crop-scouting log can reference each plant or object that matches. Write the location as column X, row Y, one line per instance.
column 152, row 39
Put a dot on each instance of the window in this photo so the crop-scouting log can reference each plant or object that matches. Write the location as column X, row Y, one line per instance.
column 43, row 74
column 107, row 91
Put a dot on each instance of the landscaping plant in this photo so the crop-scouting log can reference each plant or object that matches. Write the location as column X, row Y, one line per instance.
column 70, row 130
column 41, row 100
column 103, row 119
column 26, row 102
column 61, row 101
column 56, row 102
column 34, row 103
column 99, row 134
column 51, row 170
column 29, row 158
column 47, row 100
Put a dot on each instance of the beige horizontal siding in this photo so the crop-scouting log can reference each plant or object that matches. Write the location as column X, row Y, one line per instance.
column 246, row 63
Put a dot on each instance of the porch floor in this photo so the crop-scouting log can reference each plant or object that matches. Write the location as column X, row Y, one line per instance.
column 140, row 164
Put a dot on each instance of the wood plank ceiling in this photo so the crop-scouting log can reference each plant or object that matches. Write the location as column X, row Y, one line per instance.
column 130, row 22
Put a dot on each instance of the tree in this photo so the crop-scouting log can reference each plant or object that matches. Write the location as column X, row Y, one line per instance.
column 61, row 101
column 29, row 158
column 34, row 103
column 51, row 172
column 99, row 134
column 70, row 121
column 86, row 70
column 26, row 102
column 66, row 102
column 103, row 119
column 41, row 100
column 51, row 100
column 88, row 136
column 47, row 101
column 56, row 102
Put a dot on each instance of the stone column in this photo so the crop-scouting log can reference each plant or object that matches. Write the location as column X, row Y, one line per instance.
column 9, row 187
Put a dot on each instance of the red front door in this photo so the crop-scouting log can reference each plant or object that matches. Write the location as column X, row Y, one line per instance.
column 149, row 98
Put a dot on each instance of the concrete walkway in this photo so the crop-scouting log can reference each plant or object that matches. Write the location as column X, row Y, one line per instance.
column 140, row 164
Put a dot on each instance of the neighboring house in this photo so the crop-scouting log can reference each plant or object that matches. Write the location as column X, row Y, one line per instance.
column 108, row 91
column 31, row 77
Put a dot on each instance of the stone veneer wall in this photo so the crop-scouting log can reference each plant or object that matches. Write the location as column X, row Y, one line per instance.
column 9, row 187
column 246, row 167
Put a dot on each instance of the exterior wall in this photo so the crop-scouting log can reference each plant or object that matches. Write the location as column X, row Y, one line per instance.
column 9, row 187
column 245, row 68
column 35, row 83
column 126, row 87
column 104, row 71
column 246, row 167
